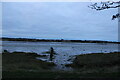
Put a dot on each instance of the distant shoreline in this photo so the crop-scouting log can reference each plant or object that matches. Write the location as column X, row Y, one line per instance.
column 55, row 40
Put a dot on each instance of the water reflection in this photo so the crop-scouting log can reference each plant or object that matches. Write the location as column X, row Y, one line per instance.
column 65, row 50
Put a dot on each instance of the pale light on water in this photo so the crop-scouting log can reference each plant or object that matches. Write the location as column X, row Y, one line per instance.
column 64, row 50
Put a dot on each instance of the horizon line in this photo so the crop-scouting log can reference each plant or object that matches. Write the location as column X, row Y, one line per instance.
column 60, row 39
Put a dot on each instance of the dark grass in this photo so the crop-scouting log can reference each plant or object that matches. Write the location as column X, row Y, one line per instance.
column 23, row 61
column 51, row 74
column 24, row 65
column 97, row 63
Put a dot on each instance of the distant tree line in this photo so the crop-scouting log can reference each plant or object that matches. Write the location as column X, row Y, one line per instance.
column 54, row 40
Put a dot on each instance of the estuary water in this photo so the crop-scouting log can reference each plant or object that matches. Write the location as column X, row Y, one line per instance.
column 66, row 51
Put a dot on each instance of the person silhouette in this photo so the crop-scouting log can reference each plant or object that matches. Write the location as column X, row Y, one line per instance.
column 51, row 53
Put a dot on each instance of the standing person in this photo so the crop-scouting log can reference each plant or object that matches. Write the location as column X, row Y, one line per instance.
column 51, row 53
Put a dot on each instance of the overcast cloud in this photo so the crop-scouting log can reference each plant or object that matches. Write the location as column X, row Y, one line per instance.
column 58, row 20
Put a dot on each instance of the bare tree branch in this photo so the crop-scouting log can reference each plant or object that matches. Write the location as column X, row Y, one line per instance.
column 115, row 16
column 106, row 5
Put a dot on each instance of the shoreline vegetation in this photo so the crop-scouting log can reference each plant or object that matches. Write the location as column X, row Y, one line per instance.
column 94, row 65
column 55, row 40
column 13, row 61
column 96, row 60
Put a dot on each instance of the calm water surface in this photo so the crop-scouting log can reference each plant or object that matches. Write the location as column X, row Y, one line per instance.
column 65, row 50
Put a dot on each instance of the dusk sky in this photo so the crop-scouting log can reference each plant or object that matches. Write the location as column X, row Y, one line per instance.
column 58, row 20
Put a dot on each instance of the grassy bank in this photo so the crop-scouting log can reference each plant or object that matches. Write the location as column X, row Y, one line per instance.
column 18, row 61
column 24, row 65
column 97, row 62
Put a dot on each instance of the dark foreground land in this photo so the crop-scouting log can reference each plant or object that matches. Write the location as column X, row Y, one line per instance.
column 25, row 65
